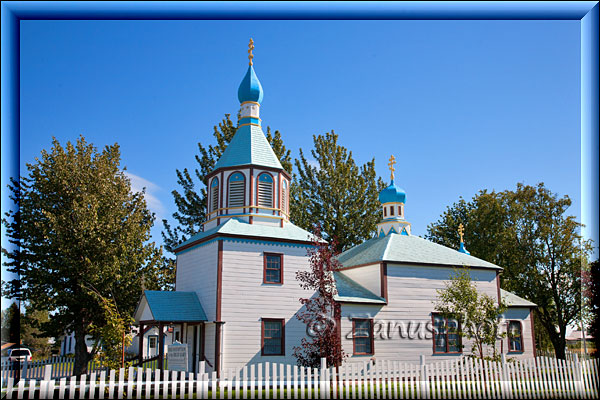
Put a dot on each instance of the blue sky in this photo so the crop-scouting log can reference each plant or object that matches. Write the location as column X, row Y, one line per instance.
column 463, row 105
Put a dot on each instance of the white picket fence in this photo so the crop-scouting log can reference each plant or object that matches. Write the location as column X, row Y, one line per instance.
column 538, row 378
column 62, row 367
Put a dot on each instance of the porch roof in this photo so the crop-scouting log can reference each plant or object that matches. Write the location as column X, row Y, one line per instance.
column 171, row 306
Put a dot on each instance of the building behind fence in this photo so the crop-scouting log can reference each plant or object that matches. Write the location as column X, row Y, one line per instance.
column 541, row 377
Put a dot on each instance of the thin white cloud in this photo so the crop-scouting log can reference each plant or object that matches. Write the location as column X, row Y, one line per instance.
column 313, row 163
column 154, row 204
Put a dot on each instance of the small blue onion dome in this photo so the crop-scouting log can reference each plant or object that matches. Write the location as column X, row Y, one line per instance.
column 392, row 194
column 250, row 88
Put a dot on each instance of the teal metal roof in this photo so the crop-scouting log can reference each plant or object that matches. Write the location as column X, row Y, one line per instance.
column 350, row 291
column 175, row 306
column 408, row 249
column 235, row 226
column 512, row 300
column 249, row 146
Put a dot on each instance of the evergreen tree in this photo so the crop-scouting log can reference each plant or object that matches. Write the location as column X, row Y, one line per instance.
column 336, row 194
column 11, row 324
column 191, row 199
column 79, row 229
column 528, row 233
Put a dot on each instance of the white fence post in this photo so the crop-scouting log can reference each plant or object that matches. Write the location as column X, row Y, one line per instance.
column 323, row 392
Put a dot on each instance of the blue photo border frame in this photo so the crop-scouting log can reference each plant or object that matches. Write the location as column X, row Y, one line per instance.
column 12, row 12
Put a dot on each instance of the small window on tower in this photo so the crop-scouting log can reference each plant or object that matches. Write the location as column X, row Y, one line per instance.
column 400, row 211
column 384, row 211
column 391, row 211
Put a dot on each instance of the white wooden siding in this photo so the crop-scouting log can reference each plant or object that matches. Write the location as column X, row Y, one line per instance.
column 522, row 314
column 246, row 300
column 411, row 293
column 368, row 276
column 197, row 272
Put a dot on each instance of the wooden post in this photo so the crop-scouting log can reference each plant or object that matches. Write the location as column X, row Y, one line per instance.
column 161, row 348
column 141, row 344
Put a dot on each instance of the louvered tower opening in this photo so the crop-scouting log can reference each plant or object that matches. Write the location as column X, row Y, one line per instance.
column 284, row 197
column 214, row 195
column 265, row 190
column 236, row 190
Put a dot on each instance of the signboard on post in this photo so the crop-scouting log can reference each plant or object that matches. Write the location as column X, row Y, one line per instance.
column 177, row 357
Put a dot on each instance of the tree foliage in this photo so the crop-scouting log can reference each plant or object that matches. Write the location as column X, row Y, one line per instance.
column 320, row 311
column 477, row 313
column 190, row 199
column 529, row 234
column 115, row 335
column 591, row 295
column 11, row 324
column 79, row 227
column 32, row 335
column 336, row 194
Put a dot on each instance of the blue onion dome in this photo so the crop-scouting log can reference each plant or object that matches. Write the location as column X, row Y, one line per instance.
column 392, row 194
column 250, row 88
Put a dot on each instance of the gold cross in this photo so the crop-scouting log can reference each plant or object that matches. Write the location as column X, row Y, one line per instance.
column 250, row 48
column 391, row 165
column 461, row 231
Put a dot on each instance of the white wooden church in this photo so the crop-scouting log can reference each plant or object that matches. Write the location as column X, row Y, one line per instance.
column 236, row 295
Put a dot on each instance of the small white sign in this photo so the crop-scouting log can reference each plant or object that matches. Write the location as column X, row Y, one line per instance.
column 177, row 357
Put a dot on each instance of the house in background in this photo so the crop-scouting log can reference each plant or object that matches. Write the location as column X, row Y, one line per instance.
column 67, row 342
column 236, row 297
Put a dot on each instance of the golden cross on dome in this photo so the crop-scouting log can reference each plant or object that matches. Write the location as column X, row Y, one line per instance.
column 250, row 48
column 391, row 165
column 461, row 231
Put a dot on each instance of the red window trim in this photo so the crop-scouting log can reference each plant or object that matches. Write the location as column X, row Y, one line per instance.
column 262, row 335
column 371, row 335
column 265, row 255
column 509, row 337
column 433, row 315
column 228, row 194
column 272, row 189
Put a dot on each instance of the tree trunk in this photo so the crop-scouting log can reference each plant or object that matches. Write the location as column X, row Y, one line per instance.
column 81, row 353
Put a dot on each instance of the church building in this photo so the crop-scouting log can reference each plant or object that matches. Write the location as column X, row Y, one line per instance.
column 236, row 294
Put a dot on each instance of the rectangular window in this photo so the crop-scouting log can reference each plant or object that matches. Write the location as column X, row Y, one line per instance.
column 392, row 211
column 273, row 268
column 152, row 342
column 384, row 211
column 446, row 337
column 273, row 337
column 515, row 337
column 362, row 336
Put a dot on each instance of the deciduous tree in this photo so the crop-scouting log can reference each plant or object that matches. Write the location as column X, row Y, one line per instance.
column 527, row 232
column 478, row 314
column 320, row 311
column 78, row 226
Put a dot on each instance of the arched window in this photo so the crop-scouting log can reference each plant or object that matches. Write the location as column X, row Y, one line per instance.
column 236, row 190
column 284, row 194
column 214, row 194
column 265, row 190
